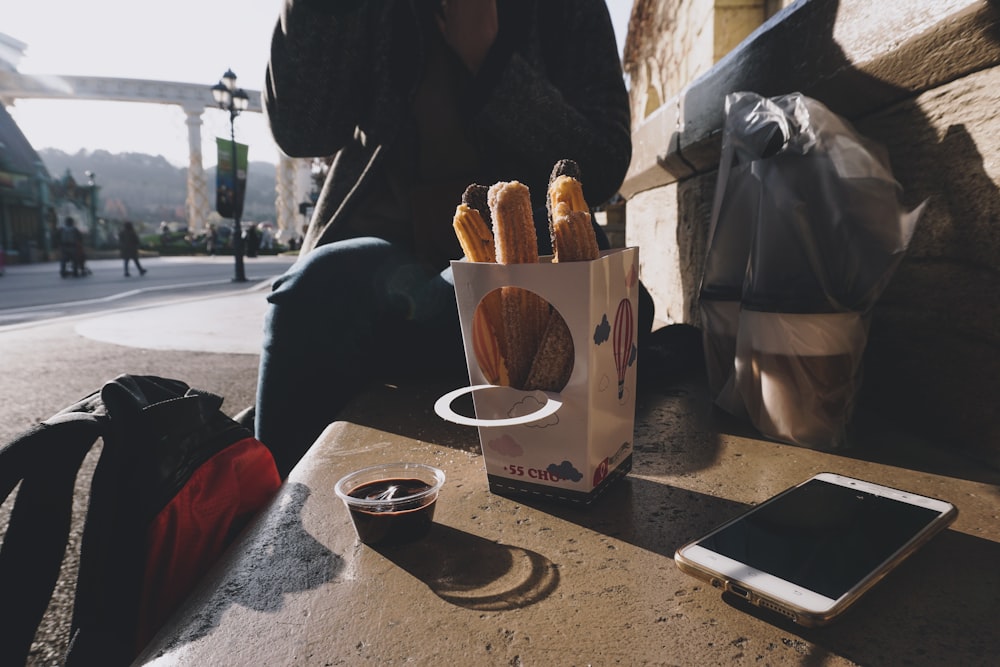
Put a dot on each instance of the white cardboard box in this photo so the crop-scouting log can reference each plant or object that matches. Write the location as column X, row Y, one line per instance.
column 568, row 446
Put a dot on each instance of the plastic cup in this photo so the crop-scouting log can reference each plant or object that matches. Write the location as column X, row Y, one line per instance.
column 391, row 503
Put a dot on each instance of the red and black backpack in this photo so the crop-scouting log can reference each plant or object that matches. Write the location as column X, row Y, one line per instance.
column 175, row 482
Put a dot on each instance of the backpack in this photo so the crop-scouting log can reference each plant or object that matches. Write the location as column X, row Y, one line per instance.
column 175, row 482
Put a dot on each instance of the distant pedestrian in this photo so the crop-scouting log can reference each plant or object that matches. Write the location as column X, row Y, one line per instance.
column 213, row 240
column 128, row 245
column 71, row 250
column 81, row 257
column 266, row 237
column 252, row 241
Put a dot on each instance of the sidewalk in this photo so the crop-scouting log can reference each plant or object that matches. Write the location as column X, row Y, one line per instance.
column 210, row 341
column 230, row 324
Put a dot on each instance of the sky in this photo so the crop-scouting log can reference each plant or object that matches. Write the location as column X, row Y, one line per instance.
column 188, row 41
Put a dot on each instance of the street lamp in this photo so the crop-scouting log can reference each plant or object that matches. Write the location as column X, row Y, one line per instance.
column 92, row 184
column 234, row 100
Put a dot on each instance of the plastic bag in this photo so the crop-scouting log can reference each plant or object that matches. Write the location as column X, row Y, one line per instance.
column 807, row 229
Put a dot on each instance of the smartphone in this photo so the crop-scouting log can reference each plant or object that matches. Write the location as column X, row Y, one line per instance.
column 813, row 550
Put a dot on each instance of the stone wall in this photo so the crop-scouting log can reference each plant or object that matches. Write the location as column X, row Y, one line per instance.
column 919, row 76
column 668, row 45
column 671, row 43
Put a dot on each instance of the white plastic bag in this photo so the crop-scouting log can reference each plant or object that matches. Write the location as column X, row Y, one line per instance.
column 807, row 229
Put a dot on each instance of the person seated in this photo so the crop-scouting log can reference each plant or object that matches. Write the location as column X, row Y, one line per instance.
column 413, row 102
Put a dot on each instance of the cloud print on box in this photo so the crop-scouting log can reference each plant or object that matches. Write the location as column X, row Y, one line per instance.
column 603, row 331
column 507, row 446
column 565, row 470
column 528, row 405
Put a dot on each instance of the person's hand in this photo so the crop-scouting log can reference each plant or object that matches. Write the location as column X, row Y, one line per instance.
column 470, row 28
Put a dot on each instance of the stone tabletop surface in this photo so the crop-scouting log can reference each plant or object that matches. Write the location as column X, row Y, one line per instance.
column 508, row 581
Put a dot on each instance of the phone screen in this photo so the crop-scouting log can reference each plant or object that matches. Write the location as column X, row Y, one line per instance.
column 821, row 536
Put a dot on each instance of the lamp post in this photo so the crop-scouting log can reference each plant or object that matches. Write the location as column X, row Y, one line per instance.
column 43, row 208
column 92, row 184
column 234, row 100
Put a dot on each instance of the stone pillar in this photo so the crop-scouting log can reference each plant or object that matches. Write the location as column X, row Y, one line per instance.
column 284, row 202
column 303, row 190
column 197, row 204
column 293, row 184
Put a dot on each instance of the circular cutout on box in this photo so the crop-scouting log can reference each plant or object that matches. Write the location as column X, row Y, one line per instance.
column 443, row 408
column 519, row 340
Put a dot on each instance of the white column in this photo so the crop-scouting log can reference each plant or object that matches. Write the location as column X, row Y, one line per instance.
column 284, row 202
column 293, row 185
column 303, row 188
column 198, row 206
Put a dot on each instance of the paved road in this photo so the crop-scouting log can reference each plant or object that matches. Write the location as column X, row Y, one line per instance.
column 61, row 339
column 35, row 291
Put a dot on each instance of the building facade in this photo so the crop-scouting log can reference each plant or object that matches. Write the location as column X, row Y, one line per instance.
column 26, row 215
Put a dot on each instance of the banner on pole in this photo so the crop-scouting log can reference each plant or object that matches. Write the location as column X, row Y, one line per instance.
column 229, row 194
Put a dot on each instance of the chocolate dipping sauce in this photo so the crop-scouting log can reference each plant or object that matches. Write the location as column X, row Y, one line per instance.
column 394, row 522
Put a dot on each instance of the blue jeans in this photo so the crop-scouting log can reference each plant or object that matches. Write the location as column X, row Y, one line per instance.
column 346, row 314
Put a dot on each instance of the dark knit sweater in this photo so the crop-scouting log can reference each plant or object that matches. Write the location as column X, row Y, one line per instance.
column 343, row 73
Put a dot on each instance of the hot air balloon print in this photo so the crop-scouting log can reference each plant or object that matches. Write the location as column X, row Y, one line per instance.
column 623, row 339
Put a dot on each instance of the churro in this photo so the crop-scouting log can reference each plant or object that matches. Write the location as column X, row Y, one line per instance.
column 573, row 236
column 533, row 340
column 525, row 314
column 475, row 196
column 559, row 189
column 569, row 191
column 473, row 235
column 487, row 340
column 478, row 245
column 553, row 363
column 573, row 240
column 562, row 168
column 514, row 225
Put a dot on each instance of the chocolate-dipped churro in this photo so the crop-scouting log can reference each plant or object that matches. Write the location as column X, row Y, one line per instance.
column 567, row 190
column 473, row 235
column 475, row 196
column 561, row 168
column 573, row 240
column 573, row 236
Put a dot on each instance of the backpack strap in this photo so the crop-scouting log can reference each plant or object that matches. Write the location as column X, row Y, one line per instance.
column 112, row 549
column 44, row 460
column 160, row 433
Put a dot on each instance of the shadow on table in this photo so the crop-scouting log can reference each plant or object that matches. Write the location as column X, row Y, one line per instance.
column 675, row 415
column 273, row 558
column 939, row 607
column 406, row 408
column 650, row 515
column 471, row 572
column 680, row 419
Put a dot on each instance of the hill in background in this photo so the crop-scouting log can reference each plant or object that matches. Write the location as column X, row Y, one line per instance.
column 147, row 188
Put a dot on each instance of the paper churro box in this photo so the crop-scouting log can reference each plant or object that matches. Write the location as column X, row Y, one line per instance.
column 570, row 444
